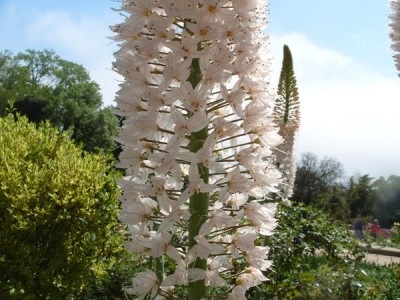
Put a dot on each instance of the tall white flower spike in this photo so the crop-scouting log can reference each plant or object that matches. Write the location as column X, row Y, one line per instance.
column 196, row 144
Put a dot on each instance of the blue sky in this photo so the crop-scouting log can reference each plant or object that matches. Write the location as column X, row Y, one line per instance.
column 342, row 58
column 357, row 28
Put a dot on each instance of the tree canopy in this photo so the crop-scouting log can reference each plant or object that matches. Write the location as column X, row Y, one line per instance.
column 43, row 86
column 314, row 177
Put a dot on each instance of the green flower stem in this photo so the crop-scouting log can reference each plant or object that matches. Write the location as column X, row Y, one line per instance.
column 198, row 203
column 160, row 272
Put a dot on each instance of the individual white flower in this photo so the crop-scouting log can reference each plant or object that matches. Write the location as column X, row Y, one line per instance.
column 238, row 293
column 157, row 189
column 184, row 126
column 235, row 97
column 214, row 280
column 165, row 163
column 236, row 200
column 251, row 277
column 130, row 159
column 243, row 242
column 205, row 30
column 176, row 215
column 161, row 28
column 155, row 243
column 212, row 10
column 234, row 182
column 203, row 249
column 142, row 125
column 134, row 212
column 176, row 69
column 262, row 216
column 214, row 69
column 223, row 128
column 196, row 185
column 179, row 277
column 128, row 108
column 186, row 48
column 257, row 257
column 203, row 156
column 218, row 219
column 195, row 99
column 143, row 283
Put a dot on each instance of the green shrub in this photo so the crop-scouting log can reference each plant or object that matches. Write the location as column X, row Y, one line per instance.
column 314, row 257
column 381, row 282
column 58, row 210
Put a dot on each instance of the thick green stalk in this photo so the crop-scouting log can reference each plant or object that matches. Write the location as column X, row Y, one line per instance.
column 198, row 203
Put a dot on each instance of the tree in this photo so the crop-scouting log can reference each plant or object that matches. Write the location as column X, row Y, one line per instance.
column 11, row 76
column 334, row 203
column 287, row 116
column 314, row 177
column 387, row 194
column 42, row 86
column 361, row 196
column 58, row 211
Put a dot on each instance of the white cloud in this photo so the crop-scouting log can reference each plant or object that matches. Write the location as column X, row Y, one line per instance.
column 84, row 38
column 349, row 111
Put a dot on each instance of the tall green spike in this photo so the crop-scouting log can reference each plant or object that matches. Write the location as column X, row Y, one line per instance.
column 287, row 104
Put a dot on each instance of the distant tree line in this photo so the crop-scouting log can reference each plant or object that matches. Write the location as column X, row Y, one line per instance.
column 320, row 182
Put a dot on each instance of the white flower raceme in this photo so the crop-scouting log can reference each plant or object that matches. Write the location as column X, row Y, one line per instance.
column 196, row 140
column 395, row 31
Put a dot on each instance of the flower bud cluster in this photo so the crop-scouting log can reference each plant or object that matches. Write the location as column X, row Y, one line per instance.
column 189, row 67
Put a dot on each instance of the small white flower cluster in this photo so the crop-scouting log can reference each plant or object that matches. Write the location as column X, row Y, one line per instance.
column 189, row 67
column 395, row 31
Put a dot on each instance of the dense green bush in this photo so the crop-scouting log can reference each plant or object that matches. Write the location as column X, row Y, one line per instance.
column 381, row 282
column 58, row 209
column 316, row 257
